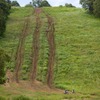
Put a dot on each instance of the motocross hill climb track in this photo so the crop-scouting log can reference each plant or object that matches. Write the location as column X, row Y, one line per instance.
column 49, row 34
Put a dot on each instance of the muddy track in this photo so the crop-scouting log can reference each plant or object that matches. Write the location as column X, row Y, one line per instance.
column 35, row 46
column 51, row 42
column 20, row 50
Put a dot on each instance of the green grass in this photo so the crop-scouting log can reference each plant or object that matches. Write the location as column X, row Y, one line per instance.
column 77, row 64
column 77, row 47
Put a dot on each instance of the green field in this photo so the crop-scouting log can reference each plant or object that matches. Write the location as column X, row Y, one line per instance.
column 77, row 64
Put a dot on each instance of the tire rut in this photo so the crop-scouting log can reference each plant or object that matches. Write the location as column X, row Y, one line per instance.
column 35, row 46
column 20, row 50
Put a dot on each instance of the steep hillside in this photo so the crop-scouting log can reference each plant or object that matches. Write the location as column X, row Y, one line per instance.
column 77, row 61
column 77, row 49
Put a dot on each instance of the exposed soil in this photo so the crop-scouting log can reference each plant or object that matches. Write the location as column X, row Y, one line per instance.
column 34, row 85
column 35, row 46
column 20, row 50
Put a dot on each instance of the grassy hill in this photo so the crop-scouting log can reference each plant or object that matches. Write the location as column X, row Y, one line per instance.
column 77, row 64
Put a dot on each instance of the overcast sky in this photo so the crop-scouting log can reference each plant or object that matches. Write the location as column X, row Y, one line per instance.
column 52, row 2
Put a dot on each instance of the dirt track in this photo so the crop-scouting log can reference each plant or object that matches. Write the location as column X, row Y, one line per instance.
column 20, row 50
column 35, row 47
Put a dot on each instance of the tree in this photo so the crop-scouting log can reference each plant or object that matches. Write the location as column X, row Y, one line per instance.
column 45, row 3
column 87, row 4
column 29, row 5
column 3, row 58
column 69, row 5
column 40, row 3
column 15, row 3
column 4, row 12
column 37, row 3
column 96, row 7
column 2, row 23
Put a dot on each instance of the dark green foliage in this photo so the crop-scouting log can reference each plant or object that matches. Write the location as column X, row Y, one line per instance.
column 3, row 58
column 21, row 98
column 4, row 12
column 87, row 4
column 28, row 5
column 96, row 8
column 2, row 23
column 37, row 3
column 93, row 6
column 69, row 5
column 2, row 72
column 40, row 3
column 2, row 98
column 15, row 3
column 45, row 3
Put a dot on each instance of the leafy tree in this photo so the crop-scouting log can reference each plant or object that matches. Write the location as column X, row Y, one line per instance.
column 29, row 5
column 45, row 3
column 3, row 58
column 15, row 3
column 87, row 4
column 40, row 3
column 37, row 3
column 69, row 5
column 2, row 23
column 4, row 12
column 96, row 8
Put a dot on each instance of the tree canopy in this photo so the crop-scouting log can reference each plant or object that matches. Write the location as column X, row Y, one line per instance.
column 96, row 8
column 87, row 4
column 3, row 58
column 15, row 3
column 40, row 3
column 4, row 12
column 93, row 6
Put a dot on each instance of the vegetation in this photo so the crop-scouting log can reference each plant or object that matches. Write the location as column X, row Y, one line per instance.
column 3, row 58
column 29, row 5
column 40, row 3
column 2, row 72
column 69, row 5
column 15, row 3
column 96, row 8
column 4, row 12
column 93, row 6
column 45, row 3
column 77, row 53
column 87, row 4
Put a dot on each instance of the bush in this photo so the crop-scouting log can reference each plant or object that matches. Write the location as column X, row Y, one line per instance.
column 96, row 8
column 69, row 5
column 28, row 5
column 4, row 12
column 21, row 98
column 2, row 72
column 2, row 98
column 3, row 58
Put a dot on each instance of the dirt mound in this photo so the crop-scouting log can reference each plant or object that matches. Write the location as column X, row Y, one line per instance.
column 37, row 86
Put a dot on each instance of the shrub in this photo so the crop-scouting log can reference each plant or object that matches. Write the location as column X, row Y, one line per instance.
column 3, row 59
column 21, row 98
column 2, row 98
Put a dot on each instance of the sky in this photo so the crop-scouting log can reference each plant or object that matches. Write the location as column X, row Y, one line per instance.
column 52, row 2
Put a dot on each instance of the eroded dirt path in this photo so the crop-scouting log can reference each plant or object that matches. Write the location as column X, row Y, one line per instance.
column 51, row 41
column 20, row 50
column 49, row 33
column 35, row 46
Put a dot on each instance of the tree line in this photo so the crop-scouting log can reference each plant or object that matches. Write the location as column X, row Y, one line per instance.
column 92, row 6
column 4, row 12
column 41, row 3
